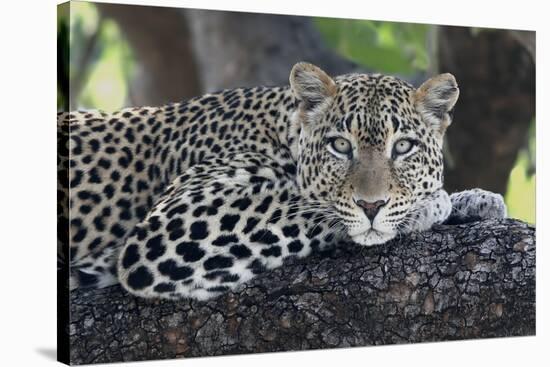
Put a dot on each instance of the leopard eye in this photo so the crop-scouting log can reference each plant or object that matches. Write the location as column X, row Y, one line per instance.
column 403, row 146
column 341, row 146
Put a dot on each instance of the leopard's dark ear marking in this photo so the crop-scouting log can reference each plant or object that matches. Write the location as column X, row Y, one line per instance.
column 311, row 85
column 435, row 100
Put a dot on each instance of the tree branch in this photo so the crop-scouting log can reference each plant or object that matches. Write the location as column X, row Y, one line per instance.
column 454, row 282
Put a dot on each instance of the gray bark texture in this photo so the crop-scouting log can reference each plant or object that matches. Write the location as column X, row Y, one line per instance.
column 454, row 282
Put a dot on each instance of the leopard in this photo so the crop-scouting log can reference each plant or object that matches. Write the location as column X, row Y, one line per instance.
column 194, row 199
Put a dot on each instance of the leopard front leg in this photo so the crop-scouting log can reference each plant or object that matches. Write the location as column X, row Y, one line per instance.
column 217, row 227
column 461, row 207
column 476, row 204
column 434, row 209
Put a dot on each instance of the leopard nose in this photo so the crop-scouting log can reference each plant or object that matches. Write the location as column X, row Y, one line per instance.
column 371, row 209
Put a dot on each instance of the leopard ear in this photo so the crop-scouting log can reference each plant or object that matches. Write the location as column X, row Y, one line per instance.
column 311, row 85
column 435, row 100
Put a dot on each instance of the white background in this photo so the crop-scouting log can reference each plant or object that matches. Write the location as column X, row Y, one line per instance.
column 28, row 200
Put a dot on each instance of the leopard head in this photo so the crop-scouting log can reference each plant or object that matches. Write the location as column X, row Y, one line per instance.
column 370, row 146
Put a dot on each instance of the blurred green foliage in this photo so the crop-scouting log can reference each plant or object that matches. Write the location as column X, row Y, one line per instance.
column 521, row 193
column 102, row 63
column 397, row 48
column 63, row 48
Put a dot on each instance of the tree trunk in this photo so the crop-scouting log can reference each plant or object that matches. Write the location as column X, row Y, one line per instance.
column 161, row 43
column 247, row 49
column 496, row 76
column 453, row 282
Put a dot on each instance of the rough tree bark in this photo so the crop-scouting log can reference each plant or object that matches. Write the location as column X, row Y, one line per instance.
column 454, row 282
column 496, row 75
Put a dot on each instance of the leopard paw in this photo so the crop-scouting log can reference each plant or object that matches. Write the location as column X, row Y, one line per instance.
column 474, row 205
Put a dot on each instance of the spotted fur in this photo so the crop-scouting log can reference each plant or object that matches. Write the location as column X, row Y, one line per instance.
column 193, row 199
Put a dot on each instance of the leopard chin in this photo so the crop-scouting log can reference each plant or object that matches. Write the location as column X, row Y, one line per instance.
column 373, row 237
